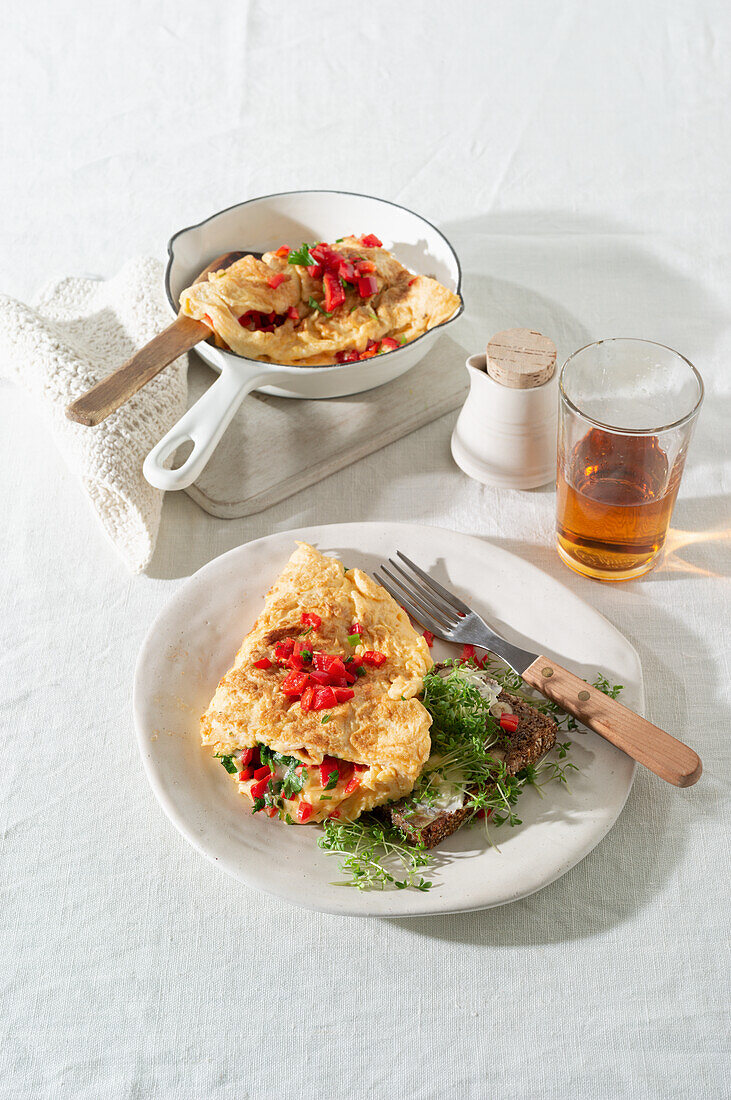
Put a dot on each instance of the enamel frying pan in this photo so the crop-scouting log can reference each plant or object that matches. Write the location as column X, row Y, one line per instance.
column 265, row 223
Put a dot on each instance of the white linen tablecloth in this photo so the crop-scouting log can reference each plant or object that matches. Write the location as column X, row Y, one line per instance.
column 577, row 156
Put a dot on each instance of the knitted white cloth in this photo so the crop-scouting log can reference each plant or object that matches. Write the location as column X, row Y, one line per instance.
column 79, row 330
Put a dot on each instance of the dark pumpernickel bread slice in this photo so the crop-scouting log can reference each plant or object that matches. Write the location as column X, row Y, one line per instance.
column 534, row 737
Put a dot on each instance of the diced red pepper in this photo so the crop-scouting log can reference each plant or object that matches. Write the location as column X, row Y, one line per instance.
column 336, row 669
column 364, row 267
column 276, row 280
column 284, row 649
column 320, row 252
column 347, row 356
column 356, row 628
column 322, row 661
column 352, row 784
column 263, row 662
column 271, row 811
column 335, row 813
column 304, row 812
column 361, row 767
column 374, row 658
column 334, row 291
column 509, row 722
column 308, row 697
column 324, row 698
column 315, row 271
column 295, row 683
column 247, row 755
column 328, row 766
column 389, row 344
column 346, row 271
column 246, row 773
column 429, row 638
column 258, row 789
column 370, row 240
column 309, row 618
column 293, row 313
column 264, row 770
column 296, row 662
column 411, row 281
column 372, row 349
column 367, row 285
column 468, row 652
column 284, row 251
column 343, row 694
column 319, row 677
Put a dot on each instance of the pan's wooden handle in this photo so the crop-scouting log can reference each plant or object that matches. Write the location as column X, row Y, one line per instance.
column 111, row 392
column 649, row 745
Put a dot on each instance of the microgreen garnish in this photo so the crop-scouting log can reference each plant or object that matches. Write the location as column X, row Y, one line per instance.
column 463, row 760
column 373, row 853
column 326, row 718
column 332, row 779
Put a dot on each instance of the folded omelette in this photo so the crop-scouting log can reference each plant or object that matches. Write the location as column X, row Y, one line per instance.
column 319, row 715
column 319, row 305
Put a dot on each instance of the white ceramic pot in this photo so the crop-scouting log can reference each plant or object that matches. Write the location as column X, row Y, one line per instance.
column 506, row 437
column 261, row 224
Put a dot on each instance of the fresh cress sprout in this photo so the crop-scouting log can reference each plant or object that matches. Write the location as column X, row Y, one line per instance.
column 464, row 735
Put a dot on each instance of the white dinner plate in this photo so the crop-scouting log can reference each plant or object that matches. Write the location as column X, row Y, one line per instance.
column 193, row 641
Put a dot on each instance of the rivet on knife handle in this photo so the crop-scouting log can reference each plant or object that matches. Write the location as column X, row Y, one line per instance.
column 648, row 744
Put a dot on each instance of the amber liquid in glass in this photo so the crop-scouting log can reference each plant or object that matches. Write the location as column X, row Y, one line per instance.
column 614, row 501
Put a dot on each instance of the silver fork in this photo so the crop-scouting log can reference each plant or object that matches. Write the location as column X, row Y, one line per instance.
column 450, row 618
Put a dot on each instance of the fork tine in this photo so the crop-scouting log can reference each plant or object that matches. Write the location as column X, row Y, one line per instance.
column 450, row 598
column 428, row 598
column 419, row 600
column 420, row 617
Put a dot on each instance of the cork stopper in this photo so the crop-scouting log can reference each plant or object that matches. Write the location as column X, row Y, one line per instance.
column 520, row 358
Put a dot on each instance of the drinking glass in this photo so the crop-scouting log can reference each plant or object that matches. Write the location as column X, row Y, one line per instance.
column 627, row 413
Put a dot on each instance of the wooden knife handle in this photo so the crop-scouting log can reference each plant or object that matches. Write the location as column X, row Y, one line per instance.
column 111, row 392
column 670, row 759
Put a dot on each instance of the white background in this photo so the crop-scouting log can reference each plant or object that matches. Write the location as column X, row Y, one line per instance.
column 577, row 156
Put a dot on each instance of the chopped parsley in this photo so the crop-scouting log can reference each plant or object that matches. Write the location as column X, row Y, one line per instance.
column 301, row 257
column 332, row 780
column 293, row 781
column 229, row 763
column 314, row 304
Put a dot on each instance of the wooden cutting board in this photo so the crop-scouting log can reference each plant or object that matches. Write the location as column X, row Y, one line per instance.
column 277, row 446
